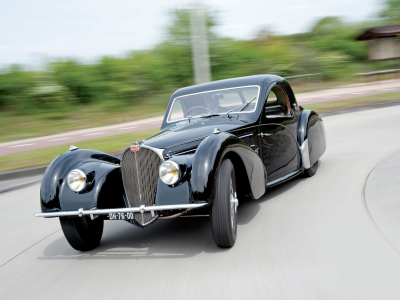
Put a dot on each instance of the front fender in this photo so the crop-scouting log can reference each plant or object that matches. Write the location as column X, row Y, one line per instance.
column 208, row 158
column 104, row 190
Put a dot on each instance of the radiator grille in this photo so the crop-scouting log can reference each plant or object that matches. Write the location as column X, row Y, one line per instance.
column 140, row 176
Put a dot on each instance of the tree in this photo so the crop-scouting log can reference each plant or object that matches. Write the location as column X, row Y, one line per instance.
column 179, row 30
column 391, row 14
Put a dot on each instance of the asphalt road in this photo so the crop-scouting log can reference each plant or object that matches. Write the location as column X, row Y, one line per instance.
column 306, row 239
column 74, row 137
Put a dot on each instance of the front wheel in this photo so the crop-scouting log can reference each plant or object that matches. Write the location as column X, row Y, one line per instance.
column 223, row 212
column 83, row 234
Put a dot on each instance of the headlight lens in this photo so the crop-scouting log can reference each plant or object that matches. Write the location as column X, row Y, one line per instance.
column 76, row 180
column 169, row 172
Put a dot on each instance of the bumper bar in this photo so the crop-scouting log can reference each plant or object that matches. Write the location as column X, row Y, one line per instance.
column 142, row 209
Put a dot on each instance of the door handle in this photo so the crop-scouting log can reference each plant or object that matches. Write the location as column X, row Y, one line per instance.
column 264, row 134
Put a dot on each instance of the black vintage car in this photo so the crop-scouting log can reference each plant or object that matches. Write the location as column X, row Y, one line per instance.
column 219, row 142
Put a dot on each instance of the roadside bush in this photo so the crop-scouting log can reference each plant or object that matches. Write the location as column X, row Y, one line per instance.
column 112, row 83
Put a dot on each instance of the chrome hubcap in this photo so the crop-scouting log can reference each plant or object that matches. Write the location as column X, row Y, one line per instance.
column 234, row 204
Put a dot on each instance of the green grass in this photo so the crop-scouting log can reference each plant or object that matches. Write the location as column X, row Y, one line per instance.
column 355, row 102
column 17, row 127
column 111, row 144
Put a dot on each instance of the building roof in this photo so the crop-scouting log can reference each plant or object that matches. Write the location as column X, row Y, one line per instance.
column 379, row 32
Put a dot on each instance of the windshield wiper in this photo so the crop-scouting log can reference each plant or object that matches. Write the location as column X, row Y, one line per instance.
column 247, row 104
column 209, row 116
column 202, row 116
column 244, row 105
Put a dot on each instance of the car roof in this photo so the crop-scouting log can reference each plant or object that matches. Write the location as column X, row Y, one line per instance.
column 227, row 83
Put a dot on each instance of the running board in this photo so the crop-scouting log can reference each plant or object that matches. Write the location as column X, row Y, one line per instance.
column 284, row 178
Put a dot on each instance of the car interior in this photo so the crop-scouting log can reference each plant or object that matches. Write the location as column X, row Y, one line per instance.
column 217, row 102
column 277, row 102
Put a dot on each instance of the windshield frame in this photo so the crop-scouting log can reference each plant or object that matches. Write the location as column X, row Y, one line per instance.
column 210, row 91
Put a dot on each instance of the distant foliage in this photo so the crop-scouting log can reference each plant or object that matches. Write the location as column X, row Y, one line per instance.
column 391, row 14
column 329, row 48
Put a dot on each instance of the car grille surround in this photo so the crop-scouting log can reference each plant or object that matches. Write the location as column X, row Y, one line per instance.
column 139, row 171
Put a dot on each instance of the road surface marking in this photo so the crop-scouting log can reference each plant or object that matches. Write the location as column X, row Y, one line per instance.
column 303, row 100
column 95, row 133
column 156, row 122
column 58, row 139
column 21, row 145
column 126, row 128
column 388, row 89
column 358, row 93
column 331, row 97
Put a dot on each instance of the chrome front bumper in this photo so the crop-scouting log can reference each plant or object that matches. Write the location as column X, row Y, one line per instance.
column 142, row 209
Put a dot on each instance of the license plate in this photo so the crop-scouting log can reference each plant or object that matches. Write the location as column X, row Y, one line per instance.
column 121, row 216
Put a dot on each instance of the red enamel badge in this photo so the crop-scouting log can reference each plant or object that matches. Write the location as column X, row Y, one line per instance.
column 134, row 148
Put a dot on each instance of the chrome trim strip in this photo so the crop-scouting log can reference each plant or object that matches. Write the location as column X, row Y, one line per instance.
column 305, row 155
column 237, row 87
column 284, row 178
column 262, row 134
column 156, row 150
column 82, row 212
column 246, row 135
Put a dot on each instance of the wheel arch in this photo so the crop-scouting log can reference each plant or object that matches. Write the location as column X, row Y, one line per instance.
column 243, row 187
column 311, row 137
column 207, row 161
column 105, row 172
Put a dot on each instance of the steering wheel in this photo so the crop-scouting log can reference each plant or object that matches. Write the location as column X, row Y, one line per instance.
column 202, row 107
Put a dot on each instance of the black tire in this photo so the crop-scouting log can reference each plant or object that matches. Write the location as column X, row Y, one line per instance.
column 83, row 234
column 223, row 212
column 311, row 171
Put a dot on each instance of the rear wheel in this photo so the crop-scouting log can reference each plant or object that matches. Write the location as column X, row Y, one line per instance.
column 223, row 212
column 311, row 171
column 83, row 234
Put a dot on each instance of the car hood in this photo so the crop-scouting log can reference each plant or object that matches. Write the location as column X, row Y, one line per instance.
column 185, row 132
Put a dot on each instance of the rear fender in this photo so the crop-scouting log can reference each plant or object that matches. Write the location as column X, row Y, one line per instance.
column 104, row 189
column 311, row 137
column 249, row 168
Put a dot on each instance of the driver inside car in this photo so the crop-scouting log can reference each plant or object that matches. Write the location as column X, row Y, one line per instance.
column 212, row 103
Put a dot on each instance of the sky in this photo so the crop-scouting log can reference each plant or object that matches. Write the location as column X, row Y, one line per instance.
column 35, row 31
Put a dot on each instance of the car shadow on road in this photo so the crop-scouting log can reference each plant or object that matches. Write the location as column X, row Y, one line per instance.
column 248, row 209
column 165, row 239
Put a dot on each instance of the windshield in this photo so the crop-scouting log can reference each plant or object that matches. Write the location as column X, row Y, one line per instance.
column 215, row 102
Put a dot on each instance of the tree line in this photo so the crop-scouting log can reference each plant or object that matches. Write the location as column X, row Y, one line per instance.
column 329, row 48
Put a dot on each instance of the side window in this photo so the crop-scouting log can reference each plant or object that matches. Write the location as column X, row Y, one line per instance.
column 277, row 102
column 176, row 112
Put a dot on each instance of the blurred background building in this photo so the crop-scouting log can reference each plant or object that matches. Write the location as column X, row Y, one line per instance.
column 383, row 42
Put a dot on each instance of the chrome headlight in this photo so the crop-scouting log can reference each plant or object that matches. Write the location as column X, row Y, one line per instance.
column 169, row 172
column 76, row 180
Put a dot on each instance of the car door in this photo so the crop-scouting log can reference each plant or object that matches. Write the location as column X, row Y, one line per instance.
column 277, row 134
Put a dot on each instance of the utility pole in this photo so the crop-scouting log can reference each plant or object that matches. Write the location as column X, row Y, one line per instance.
column 201, row 57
